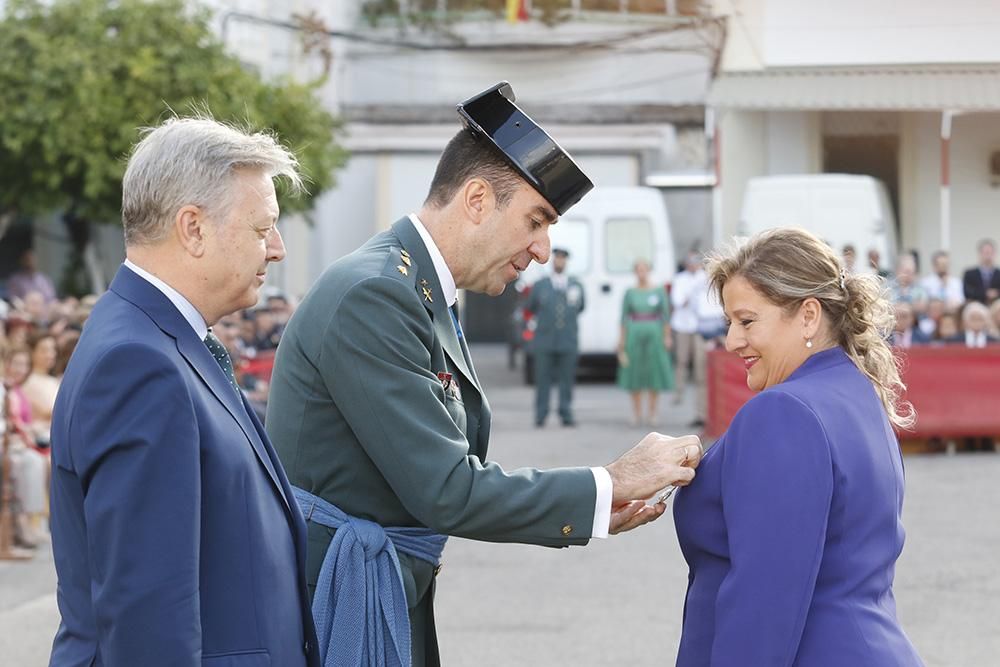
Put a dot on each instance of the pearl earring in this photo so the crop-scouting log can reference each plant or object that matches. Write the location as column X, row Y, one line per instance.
column 809, row 342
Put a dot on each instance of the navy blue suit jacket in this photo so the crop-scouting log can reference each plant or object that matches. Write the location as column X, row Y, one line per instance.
column 791, row 530
column 176, row 537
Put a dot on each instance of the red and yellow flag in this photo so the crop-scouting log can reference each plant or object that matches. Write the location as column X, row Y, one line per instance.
column 517, row 10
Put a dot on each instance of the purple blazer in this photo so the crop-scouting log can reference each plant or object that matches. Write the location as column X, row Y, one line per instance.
column 791, row 530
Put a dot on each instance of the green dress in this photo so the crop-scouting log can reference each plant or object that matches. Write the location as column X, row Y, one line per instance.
column 644, row 314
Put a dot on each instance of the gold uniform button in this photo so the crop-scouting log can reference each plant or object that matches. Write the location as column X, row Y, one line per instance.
column 567, row 529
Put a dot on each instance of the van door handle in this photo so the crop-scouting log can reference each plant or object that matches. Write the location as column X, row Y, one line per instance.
column 606, row 287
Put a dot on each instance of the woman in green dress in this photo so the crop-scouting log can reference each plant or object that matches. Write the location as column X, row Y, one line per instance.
column 644, row 344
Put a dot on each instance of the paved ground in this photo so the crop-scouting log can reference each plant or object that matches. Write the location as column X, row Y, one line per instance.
column 618, row 601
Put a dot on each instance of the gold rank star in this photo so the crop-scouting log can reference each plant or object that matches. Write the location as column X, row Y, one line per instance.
column 402, row 269
column 405, row 256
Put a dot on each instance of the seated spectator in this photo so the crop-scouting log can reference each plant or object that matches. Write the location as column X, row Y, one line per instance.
column 281, row 308
column 268, row 331
column 904, row 288
column 29, row 279
column 65, row 345
column 948, row 331
column 975, row 325
column 875, row 264
column 850, row 258
column 41, row 386
column 982, row 283
column 29, row 467
column 929, row 322
column 905, row 334
column 19, row 328
column 940, row 284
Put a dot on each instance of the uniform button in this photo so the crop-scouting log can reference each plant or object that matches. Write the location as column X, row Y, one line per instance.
column 305, row 647
column 567, row 529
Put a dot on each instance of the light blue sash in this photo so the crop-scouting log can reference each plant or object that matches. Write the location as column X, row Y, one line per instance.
column 360, row 607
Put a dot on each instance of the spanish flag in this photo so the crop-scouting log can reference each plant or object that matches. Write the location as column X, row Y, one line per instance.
column 517, row 11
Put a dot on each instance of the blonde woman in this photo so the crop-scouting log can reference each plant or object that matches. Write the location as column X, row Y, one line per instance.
column 792, row 527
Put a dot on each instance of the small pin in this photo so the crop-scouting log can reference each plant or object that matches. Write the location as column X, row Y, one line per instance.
column 402, row 269
column 423, row 281
column 427, row 293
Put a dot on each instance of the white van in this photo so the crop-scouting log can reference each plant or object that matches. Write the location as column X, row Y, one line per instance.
column 605, row 234
column 841, row 209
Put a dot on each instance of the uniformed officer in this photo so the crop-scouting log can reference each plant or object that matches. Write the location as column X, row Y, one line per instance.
column 382, row 424
column 557, row 301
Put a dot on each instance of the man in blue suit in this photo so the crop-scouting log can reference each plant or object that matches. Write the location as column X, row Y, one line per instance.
column 177, row 539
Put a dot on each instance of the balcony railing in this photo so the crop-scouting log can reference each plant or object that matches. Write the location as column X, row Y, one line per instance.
column 547, row 10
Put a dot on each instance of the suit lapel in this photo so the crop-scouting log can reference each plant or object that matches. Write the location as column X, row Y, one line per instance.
column 155, row 304
column 444, row 327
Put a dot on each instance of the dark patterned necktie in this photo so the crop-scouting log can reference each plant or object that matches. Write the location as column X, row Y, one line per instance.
column 222, row 358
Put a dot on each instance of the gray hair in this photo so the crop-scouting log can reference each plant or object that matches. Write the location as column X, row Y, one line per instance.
column 788, row 266
column 191, row 161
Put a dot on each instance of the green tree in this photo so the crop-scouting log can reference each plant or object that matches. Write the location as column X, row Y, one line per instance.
column 78, row 78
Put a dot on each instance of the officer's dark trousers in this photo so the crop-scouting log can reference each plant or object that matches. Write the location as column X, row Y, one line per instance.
column 558, row 366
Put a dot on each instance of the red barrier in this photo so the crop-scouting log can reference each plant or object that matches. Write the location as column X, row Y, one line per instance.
column 259, row 366
column 955, row 390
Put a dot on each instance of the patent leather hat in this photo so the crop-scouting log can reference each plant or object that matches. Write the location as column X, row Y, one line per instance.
column 529, row 149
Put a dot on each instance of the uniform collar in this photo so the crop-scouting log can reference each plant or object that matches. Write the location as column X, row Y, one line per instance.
column 445, row 278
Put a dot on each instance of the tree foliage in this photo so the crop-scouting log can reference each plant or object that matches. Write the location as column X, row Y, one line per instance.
column 78, row 78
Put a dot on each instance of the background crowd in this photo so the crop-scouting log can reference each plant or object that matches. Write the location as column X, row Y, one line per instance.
column 38, row 333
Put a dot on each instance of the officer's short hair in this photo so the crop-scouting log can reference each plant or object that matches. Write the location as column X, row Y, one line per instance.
column 470, row 156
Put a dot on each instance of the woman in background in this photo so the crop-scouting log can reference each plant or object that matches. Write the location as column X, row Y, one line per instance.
column 792, row 528
column 644, row 344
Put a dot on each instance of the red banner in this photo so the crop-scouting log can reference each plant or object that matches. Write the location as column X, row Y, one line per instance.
column 954, row 390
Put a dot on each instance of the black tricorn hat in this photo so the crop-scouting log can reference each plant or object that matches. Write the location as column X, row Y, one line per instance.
column 536, row 156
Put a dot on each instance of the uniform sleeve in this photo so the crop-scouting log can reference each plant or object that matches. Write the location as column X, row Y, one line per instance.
column 777, row 485
column 135, row 449
column 376, row 366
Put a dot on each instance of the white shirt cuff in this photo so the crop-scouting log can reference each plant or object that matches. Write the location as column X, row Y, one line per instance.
column 602, row 507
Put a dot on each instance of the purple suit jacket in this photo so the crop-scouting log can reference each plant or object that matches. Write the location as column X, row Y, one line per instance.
column 792, row 529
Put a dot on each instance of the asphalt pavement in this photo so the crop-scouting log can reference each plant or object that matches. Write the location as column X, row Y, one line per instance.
column 618, row 601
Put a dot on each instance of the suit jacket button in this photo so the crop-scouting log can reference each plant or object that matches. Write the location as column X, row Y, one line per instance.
column 305, row 648
column 567, row 529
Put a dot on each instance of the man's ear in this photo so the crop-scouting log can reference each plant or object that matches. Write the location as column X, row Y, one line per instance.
column 190, row 226
column 477, row 199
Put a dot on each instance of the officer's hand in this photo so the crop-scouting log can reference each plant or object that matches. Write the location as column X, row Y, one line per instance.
column 658, row 461
column 634, row 514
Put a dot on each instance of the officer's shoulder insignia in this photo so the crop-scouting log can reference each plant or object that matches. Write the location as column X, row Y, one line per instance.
column 402, row 269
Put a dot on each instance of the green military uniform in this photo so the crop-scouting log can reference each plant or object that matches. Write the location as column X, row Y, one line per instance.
column 555, row 345
column 363, row 414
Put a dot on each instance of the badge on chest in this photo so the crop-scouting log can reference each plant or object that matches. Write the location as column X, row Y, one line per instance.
column 449, row 383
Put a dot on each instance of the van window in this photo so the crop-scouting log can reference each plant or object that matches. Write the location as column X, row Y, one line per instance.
column 573, row 234
column 627, row 240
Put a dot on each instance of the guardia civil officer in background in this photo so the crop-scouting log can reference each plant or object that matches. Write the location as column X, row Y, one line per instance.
column 556, row 300
column 381, row 421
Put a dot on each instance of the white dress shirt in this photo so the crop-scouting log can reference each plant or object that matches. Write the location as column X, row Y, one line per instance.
column 602, row 480
column 948, row 289
column 189, row 312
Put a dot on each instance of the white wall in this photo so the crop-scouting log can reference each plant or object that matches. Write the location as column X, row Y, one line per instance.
column 975, row 204
column 793, row 142
column 744, row 155
column 777, row 33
